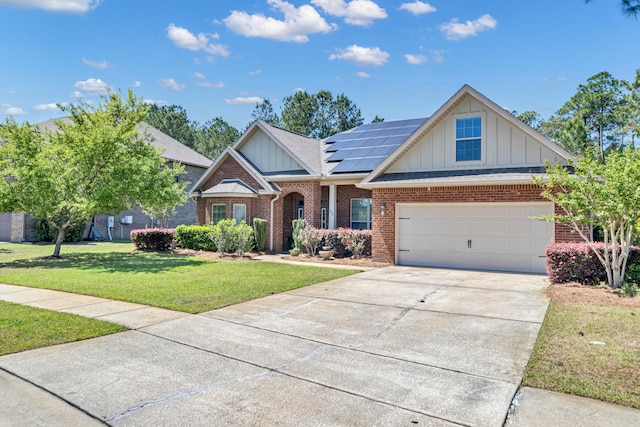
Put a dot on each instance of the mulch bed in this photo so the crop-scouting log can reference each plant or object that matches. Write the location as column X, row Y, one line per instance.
column 575, row 293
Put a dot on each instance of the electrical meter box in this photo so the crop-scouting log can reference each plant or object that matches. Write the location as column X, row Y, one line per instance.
column 110, row 222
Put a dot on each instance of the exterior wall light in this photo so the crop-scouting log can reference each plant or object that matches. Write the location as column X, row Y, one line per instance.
column 383, row 206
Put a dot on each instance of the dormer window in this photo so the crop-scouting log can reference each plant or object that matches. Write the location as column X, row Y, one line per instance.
column 468, row 139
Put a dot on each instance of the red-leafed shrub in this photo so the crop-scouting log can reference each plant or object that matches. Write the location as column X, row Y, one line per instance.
column 153, row 239
column 577, row 262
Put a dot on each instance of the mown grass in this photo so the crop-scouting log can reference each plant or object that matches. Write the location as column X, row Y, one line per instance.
column 565, row 360
column 24, row 328
column 177, row 282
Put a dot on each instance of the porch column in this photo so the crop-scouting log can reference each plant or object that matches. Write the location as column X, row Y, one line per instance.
column 333, row 199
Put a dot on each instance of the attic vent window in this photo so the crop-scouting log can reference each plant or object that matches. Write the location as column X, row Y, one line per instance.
column 468, row 139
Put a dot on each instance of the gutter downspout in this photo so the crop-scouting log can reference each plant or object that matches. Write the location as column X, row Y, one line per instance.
column 273, row 202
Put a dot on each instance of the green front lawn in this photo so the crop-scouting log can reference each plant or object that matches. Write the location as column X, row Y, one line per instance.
column 24, row 328
column 177, row 282
column 565, row 360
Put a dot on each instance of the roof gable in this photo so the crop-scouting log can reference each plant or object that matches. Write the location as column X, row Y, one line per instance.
column 277, row 151
column 506, row 142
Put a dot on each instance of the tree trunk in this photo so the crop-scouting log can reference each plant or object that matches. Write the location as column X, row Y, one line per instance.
column 61, row 231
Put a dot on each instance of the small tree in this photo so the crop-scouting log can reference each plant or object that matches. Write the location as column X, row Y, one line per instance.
column 97, row 161
column 605, row 195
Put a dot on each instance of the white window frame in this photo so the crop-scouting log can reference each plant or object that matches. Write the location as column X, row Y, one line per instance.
column 369, row 212
column 218, row 204
column 237, row 208
column 483, row 131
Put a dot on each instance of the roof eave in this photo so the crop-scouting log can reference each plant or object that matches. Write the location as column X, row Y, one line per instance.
column 451, row 183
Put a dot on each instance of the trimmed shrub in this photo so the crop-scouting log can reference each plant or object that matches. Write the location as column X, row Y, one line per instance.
column 48, row 232
column 197, row 237
column 311, row 238
column 260, row 232
column 346, row 242
column 153, row 239
column 576, row 262
column 358, row 242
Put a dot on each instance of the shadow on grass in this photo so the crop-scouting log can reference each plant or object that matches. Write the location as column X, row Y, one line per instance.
column 114, row 262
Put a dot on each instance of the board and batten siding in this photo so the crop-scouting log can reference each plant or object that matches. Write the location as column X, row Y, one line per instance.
column 503, row 144
column 267, row 155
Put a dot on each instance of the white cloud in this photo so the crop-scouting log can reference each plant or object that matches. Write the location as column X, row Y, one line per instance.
column 555, row 79
column 455, row 30
column 172, row 84
column 76, row 94
column 362, row 55
column 242, row 100
column 10, row 110
column 155, row 102
column 209, row 85
column 185, row 39
column 198, row 75
column 298, row 23
column 13, row 93
column 137, row 83
column 363, row 75
column 75, row 6
column 355, row 12
column 255, row 72
column 102, row 65
column 415, row 59
column 418, row 8
column 46, row 107
column 94, row 86
column 438, row 55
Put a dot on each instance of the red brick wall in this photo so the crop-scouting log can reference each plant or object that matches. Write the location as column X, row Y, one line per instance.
column 383, row 233
column 344, row 195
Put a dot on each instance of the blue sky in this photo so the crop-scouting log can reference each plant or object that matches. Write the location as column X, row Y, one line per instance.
column 394, row 59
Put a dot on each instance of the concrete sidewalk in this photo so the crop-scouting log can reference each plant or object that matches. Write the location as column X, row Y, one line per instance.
column 392, row 346
column 133, row 316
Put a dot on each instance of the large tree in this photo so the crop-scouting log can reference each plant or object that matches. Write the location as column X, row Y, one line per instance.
column 214, row 137
column 96, row 162
column 600, row 105
column 174, row 121
column 604, row 195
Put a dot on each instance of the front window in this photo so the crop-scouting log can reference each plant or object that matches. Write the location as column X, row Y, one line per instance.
column 361, row 214
column 240, row 213
column 468, row 139
column 218, row 213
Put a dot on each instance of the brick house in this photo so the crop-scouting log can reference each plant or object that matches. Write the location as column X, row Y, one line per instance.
column 18, row 227
column 451, row 190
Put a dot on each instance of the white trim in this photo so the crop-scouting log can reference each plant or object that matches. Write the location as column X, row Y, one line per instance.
column 236, row 195
column 448, row 182
column 333, row 203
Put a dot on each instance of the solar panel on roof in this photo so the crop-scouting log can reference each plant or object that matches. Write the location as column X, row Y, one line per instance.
column 365, row 147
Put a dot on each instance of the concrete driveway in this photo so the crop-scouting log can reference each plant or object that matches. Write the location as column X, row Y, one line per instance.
column 392, row 346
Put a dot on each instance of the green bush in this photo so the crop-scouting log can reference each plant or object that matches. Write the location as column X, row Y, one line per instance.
column 48, row 232
column 260, row 232
column 153, row 239
column 224, row 235
column 244, row 238
column 197, row 237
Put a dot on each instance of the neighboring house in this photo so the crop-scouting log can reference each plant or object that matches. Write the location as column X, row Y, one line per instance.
column 452, row 190
column 18, row 227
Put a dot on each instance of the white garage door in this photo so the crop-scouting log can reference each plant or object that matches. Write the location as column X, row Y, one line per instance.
column 5, row 227
column 488, row 236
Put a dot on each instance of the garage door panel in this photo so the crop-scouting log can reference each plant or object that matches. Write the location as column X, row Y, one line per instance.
column 496, row 236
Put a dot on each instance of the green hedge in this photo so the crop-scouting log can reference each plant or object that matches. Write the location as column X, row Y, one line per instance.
column 153, row 239
column 48, row 232
column 196, row 237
